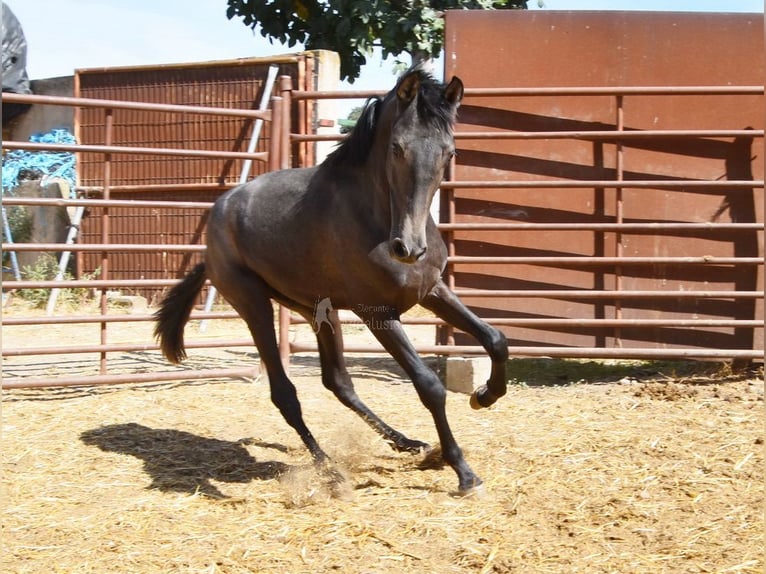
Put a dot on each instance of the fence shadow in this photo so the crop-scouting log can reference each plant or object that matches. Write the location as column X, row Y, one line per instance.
column 550, row 372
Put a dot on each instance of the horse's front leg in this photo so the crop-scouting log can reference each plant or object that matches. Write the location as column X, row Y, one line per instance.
column 442, row 301
column 388, row 330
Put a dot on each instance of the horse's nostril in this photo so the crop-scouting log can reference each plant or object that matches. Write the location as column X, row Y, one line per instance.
column 399, row 249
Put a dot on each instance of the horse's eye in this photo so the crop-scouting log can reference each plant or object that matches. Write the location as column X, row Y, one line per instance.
column 397, row 150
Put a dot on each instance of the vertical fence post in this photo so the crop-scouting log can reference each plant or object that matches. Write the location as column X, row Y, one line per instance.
column 619, row 215
column 275, row 134
column 285, row 92
column 108, row 140
column 277, row 151
column 446, row 333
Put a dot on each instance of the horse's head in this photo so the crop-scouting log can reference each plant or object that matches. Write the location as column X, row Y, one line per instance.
column 415, row 123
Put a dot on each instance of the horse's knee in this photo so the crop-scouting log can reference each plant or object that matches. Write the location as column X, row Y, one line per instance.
column 498, row 346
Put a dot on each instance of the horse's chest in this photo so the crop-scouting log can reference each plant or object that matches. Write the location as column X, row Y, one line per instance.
column 403, row 285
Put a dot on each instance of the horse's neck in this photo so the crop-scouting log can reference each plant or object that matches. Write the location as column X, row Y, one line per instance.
column 365, row 186
column 372, row 190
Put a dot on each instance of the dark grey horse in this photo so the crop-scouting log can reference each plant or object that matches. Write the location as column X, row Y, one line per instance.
column 356, row 232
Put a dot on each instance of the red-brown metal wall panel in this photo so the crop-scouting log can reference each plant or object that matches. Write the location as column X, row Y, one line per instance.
column 506, row 49
column 236, row 84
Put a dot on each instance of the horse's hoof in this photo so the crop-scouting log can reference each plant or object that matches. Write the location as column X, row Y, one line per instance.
column 482, row 398
column 475, row 491
column 412, row 446
column 432, row 460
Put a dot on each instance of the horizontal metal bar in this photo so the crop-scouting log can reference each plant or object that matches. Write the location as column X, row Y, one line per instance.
column 588, row 135
column 604, row 294
column 428, row 349
column 334, row 94
column 556, row 91
column 572, row 323
column 606, row 134
column 353, row 320
column 127, row 105
column 565, row 260
column 316, row 137
column 90, row 284
column 142, row 377
column 563, row 352
column 157, row 187
column 510, row 226
column 131, row 150
column 621, row 227
column 89, row 319
column 618, row 91
column 633, row 323
column 607, row 183
column 120, row 348
column 132, row 203
column 544, row 293
column 635, row 353
column 100, row 247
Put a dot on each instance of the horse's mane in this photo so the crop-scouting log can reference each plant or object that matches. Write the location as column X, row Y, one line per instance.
column 355, row 147
column 432, row 107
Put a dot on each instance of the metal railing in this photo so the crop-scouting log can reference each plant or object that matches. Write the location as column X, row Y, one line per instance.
column 617, row 136
column 283, row 143
column 104, row 282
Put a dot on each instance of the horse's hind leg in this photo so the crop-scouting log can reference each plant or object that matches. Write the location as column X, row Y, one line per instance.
column 248, row 294
column 335, row 377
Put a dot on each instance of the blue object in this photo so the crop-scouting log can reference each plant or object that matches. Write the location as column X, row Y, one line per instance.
column 49, row 164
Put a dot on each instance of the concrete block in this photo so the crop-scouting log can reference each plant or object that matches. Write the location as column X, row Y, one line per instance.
column 465, row 374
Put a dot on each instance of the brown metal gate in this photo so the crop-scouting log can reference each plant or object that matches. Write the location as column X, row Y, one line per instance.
column 109, row 321
column 233, row 84
column 616, row 208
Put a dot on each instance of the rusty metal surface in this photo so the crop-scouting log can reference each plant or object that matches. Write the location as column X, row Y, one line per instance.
column 174, row 176
column 233, row 85
column 110, row 247
column 530, row 67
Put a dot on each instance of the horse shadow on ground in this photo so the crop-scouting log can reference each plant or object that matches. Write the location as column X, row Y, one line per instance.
column 179, row 461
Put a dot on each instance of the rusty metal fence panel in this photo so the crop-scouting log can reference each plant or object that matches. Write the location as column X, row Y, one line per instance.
column 592, row 214
column 108, row 322
column 235, row 85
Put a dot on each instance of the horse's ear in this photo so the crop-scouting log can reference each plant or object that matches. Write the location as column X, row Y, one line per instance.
column 408, row 88
column 453, row 93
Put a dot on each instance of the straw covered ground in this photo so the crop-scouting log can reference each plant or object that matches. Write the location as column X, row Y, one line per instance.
column 588, row 467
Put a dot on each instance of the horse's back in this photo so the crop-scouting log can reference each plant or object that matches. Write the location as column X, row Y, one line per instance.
column 268, row 194
column 263, row 225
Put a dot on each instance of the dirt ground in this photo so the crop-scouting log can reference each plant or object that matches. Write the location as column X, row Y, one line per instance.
column 588, row 467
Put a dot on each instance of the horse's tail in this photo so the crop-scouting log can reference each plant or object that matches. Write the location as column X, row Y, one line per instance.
column 174, row 312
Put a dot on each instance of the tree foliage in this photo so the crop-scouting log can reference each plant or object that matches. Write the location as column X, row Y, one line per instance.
column 352, row 28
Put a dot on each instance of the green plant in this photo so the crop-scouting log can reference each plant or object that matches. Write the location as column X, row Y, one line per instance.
column 20, row 225
column 352, row 28
column 45, row 269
